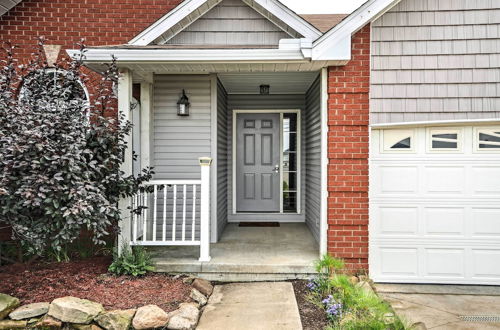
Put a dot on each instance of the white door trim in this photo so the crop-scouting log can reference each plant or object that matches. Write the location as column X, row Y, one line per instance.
column 299, row 158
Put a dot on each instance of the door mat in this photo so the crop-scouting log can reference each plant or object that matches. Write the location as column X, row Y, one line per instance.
column 259, row 224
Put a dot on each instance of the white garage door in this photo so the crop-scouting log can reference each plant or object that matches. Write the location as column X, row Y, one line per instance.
column 435, row 205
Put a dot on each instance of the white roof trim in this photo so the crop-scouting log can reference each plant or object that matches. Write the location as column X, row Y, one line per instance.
column 101, row 55
column 336, row 42
column 189, row 6
column 437, row 123
column 289, row 17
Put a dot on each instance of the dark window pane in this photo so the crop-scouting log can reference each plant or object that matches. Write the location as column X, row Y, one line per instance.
column 489, row 138
column 489, row 146
column 289, row 181
column 289, row 202
column 290, row 161
column 403, row 144
column 444, row 145
column 451, row 136
column 290, row 122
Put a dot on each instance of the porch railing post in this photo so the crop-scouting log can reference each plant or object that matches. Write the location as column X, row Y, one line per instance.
column 205, row 163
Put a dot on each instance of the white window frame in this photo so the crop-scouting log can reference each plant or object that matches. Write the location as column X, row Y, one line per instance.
column 403, row 132
column 445, row 130
column 477, row 142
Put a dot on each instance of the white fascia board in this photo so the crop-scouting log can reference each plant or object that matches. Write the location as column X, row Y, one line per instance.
column 330, row 44
column 289, row 18
column 167, row 22
column 189, row 55
column 490, row 121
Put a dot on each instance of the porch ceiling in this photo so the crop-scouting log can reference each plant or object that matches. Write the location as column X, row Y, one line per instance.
column 280, row 82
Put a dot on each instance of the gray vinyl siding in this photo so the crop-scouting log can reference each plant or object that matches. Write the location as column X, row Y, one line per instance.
column 312, row 127
column 180, row 141
column 222, row 165
column 436, row 60
column 231, row 22
column 263, row 102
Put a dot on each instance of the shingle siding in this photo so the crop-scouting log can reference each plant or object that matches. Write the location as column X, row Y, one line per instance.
column 436, row 60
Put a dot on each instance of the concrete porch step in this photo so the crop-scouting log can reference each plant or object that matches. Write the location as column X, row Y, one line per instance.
column 236, row 272
column 246, row 254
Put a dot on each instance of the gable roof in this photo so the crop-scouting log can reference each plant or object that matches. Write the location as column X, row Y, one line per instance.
column 193, row 9
column 6, row 5
column 324, row 22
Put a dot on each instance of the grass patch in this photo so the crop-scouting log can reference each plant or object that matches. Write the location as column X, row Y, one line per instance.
column 347, row 302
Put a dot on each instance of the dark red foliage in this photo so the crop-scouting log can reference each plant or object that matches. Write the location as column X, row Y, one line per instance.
column 88, row 279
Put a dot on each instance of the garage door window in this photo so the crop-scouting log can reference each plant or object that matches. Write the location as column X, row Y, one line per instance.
column 444, row 139
column 488, row 139
column 398, row 140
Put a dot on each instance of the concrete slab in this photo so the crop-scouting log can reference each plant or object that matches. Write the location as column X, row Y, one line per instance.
column 247, row 254
column 486, row 290
column 443, row 311
column 252, row 306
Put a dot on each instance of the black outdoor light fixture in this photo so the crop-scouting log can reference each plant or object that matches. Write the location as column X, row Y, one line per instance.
column 264, row 89
column 183, row 105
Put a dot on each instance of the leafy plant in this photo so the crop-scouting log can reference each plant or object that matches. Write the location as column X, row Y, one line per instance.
column 134, row 261
column 349, row 305
column 60, row 154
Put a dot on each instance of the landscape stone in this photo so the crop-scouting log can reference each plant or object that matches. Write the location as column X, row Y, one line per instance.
column 116, row 320
column 184, row 318
column 365, row 286
column 48, row 322
column 12, row 324
column 188, row 280
column 7, row 305
column 354, row 280
column 74, row 310
column 73, row 326
column 150, row 317
column 198, row 297
column 29, row 311
column 203, row 286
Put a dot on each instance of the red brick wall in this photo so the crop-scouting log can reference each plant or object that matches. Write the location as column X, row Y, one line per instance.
column 348, row 111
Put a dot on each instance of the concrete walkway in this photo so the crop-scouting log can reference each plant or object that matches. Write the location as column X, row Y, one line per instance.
column 440, row 307
column 252, row 306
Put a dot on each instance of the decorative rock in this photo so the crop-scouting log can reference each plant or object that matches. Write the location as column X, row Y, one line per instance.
column 48, row 322
column 198, row 297
column 150, row 317
column 74, row 310
column 354, row 280
column 184, row 318
column 12, row 324
column 7, row 305
column 188, row 280
column 203, row 286
column 30, row 311
column 82, row 327
column 365, row 286
column 116, row 320
column 419, row 326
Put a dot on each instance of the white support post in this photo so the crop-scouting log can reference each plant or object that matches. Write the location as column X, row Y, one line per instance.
column 146, row 124
column 124, row 99
column 205, row 163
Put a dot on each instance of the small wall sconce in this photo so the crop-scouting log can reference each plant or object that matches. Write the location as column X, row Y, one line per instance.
column 264, row 89
column 183, row 105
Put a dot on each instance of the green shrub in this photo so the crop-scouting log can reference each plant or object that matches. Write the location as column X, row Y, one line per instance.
column 134, row 261
column 349, row 305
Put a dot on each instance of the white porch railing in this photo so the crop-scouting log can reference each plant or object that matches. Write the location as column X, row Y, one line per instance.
column 175, row 213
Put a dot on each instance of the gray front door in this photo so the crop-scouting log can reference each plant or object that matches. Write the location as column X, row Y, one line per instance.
column 257, row 162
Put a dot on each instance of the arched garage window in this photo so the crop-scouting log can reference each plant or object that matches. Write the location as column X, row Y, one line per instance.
column 396, row 140
column 488, row 139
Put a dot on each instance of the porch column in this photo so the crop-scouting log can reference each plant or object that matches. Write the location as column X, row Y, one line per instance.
column 146, row 123
column 124, row 99
column 205, row 163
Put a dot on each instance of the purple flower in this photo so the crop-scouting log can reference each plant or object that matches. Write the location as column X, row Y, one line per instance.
column 312, row 285
column 327, row 300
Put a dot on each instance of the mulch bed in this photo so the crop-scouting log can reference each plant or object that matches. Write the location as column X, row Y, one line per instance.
column 88, row 279
column 312, row 316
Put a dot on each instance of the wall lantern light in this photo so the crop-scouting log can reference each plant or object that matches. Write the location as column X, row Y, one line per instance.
column 264, row 89
column 183, row 105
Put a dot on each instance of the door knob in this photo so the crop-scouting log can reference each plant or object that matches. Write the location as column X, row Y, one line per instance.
column 276, row 168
